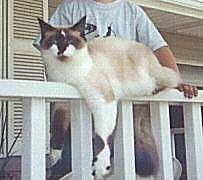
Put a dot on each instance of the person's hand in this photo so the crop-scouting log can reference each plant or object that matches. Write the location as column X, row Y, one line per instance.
column 189, row 90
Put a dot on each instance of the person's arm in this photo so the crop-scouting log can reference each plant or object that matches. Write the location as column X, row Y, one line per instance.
column 166, row 58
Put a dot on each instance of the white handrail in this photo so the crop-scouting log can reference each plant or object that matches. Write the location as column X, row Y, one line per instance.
column 34, row 95
column 52, row 90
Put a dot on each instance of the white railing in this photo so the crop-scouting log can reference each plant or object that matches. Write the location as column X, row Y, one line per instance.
column 35, row 95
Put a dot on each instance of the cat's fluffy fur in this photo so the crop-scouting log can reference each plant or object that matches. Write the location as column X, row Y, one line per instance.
column 104, row 70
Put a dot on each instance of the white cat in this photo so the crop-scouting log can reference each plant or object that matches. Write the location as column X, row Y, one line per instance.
column 104, row 70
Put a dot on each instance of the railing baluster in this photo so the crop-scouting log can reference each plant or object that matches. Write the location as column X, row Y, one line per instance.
column 194, row 140
column 161, row 130
column 81, row 139
column 124, row 158
column 34, row 139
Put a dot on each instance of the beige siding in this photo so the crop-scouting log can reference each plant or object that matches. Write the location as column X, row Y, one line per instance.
column 192, row 74
column 187, row 49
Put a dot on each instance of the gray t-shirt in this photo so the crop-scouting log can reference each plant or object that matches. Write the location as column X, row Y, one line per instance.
column 120, row 18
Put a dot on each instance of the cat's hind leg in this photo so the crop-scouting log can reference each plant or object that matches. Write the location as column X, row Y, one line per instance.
column 105, row 114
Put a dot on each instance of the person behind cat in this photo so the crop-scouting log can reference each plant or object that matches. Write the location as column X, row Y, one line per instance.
column 119, row 18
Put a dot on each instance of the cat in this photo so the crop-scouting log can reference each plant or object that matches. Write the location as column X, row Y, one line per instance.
column 103, row 70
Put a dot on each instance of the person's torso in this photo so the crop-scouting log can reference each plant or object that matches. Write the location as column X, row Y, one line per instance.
column 115, row 19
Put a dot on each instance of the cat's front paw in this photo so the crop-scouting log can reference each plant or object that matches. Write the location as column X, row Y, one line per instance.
column 100, row 170
column 102, row 165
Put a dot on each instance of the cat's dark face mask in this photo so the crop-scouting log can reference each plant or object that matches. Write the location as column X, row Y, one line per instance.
column 62, row 41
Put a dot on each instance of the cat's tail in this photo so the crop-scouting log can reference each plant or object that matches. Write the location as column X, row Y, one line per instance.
column 166, row 77
column 147, row 159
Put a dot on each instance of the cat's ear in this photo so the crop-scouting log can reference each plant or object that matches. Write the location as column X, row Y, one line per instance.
column 80, row 26
column 45, row 27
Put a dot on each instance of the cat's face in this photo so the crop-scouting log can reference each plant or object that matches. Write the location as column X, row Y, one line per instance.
column 62, row 42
